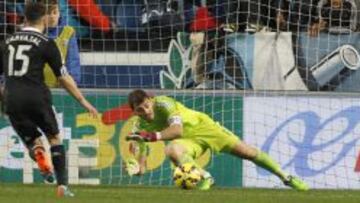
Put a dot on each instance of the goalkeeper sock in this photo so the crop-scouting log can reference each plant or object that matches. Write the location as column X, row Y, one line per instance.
column 59, row 161
column 265, row 161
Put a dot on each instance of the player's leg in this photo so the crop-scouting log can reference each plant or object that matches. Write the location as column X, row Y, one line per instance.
column 43, row 160
column 183, row 151
column 46, row 120
column 30, row 136
column 258, row 157
column 58, row 156
column 263, row 160
column 223, row 140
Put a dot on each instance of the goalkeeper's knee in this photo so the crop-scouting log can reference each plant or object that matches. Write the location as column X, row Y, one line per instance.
column 176, row 153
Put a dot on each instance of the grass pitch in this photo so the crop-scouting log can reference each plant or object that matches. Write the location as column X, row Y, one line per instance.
column 10, row 193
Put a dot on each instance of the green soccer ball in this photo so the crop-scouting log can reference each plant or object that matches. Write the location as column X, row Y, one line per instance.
column 186, row 176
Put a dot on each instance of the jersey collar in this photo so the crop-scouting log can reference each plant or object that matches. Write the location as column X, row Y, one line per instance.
column 31, row 29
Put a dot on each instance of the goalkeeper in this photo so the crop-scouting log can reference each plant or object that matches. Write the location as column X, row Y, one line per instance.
column 191, row 133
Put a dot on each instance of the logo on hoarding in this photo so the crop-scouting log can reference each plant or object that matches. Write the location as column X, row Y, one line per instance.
column 12, row 149
column 317, row 139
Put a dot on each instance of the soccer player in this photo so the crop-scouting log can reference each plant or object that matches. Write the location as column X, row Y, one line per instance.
column 28, row 100
column 191, row 133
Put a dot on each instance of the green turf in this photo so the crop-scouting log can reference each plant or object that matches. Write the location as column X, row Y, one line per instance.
column 10, row 193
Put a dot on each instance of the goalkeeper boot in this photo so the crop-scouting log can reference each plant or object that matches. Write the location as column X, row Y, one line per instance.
column 64, row 191
column 44, row 165
column 206, row 182
column 296, row 183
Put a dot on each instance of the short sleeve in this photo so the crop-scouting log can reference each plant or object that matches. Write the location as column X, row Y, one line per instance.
column 55, row 59
column 168, row 108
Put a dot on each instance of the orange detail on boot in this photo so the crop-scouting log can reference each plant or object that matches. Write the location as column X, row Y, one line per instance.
column 42, row 160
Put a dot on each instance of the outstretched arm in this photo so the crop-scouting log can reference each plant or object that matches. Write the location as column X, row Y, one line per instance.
column 69, row 84
column 139, row 152
column 136, row 165
column 174, row 131
column 56, row 61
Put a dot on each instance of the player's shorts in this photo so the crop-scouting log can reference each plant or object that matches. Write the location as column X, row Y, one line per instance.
column 27, row 123
column 208, row 135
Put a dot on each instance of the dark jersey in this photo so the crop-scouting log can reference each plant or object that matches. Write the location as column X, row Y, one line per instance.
column 24, row 55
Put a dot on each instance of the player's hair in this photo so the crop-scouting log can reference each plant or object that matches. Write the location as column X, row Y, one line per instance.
column 137, row 97
column 34, row 11
column 49, row 4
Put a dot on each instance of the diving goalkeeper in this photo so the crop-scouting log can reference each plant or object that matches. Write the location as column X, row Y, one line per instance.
column 191, row 133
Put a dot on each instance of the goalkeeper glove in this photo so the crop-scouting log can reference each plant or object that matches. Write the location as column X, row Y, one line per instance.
column 132, row 166
column 144, row 136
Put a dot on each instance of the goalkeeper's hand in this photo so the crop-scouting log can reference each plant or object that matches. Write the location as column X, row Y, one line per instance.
column 144, row 136
column 132, row 167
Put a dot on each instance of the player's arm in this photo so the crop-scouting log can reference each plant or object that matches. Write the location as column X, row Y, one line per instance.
column 69, row 84
column 174, row 130
column 136, row 164
column 56, row 62
column 1, row 72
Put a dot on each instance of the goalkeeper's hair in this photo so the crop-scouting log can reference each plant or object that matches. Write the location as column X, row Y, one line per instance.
column 34, row 11
column 137, row 97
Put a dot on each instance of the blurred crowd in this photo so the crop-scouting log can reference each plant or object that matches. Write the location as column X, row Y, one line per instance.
column 154, row 19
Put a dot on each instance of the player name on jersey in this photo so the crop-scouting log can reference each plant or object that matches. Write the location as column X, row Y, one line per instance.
column 24, row 37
